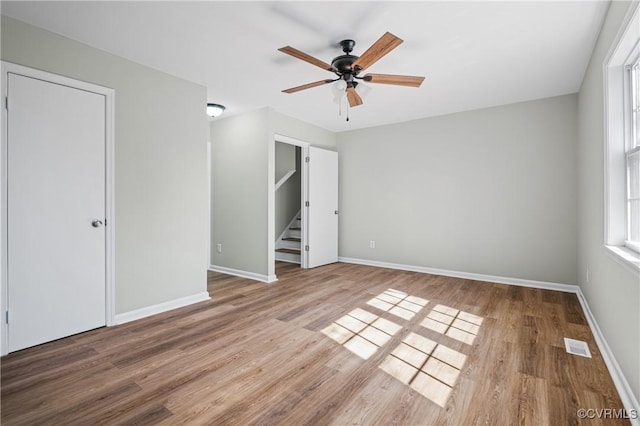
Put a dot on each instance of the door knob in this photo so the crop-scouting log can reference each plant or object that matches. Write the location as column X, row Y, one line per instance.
column 96, row 223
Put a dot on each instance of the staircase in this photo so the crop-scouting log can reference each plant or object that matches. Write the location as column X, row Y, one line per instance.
column 289, row 245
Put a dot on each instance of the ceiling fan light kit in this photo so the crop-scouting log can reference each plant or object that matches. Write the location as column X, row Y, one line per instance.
column 347, row 68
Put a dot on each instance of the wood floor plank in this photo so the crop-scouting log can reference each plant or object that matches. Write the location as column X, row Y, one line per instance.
column 533, row 403
column 339, row 344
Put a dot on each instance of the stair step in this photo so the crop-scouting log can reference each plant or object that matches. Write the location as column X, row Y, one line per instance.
column 296, row 228
column 297, row 240
column 288, row 250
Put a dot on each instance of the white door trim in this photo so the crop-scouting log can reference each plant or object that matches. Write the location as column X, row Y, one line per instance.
column 304, row 213
column 109, row 95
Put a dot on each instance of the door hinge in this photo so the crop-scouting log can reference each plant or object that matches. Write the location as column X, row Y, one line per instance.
column 6, row 317
column 306, row 248
column 306, row 204
column 306, row 159
column 6, row 102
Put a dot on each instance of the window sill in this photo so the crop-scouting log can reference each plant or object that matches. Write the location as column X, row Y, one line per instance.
column 628, row 258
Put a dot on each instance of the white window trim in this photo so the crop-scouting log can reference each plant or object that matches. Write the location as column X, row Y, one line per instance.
column 625, row 46
column 632, row 245
column 631, row 91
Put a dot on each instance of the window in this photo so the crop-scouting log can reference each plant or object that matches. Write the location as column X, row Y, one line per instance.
column 632, row 155
column 622, row 143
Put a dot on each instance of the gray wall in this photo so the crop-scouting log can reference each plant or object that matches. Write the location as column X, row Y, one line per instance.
column 612, row 291
column 490, row 191
column 160, row 164
column 243, row 171
column 239, row 182
column 285, row 159
column 314, row 135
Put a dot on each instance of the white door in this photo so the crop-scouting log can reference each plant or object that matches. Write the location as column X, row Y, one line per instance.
column 55, row 211
column 323, row 207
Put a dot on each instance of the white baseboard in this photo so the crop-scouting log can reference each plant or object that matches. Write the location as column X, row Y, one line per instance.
column 567, row 288
column 627, row 396
column 243, row 274
column 160, row 308
column 629, row 400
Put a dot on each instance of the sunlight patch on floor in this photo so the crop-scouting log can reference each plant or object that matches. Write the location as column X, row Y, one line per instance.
column 427, row 366
column 454, row 323
column 361, row 332
column 398, row 303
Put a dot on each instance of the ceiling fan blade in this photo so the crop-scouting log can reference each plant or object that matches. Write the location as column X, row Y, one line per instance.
column 399, row 80
column 305, row 57
column 353, row 97
column 307, row 86
column 384, row 45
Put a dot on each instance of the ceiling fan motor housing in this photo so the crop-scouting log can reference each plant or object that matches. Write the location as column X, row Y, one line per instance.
column 343, row 63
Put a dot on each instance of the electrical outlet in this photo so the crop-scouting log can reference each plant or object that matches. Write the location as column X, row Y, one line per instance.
column 372, row 244
column 219, row 248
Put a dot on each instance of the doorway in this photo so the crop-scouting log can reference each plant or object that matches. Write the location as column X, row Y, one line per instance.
column 290, row 188
column 318, row 217
column 288, row 203
column 57, row 209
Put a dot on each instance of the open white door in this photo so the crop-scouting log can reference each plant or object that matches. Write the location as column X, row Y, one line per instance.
column 56, row 211
column 323, row 207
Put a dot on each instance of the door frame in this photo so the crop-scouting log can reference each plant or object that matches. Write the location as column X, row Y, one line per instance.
column 304, row 197
column 109, row 94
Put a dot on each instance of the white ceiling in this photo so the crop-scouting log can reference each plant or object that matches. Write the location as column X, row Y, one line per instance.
column 474, row 54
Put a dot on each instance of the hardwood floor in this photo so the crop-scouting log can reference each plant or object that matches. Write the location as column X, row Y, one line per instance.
column 341, row 344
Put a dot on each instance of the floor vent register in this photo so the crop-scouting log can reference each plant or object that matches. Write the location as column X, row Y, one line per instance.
column 577, row 347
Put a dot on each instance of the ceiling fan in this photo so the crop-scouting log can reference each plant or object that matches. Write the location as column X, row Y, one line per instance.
column 348, row 67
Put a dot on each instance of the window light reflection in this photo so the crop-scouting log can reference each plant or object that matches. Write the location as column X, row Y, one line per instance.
column 451, row 322
column 361, row 332
column 398, row 303
column 429, row 368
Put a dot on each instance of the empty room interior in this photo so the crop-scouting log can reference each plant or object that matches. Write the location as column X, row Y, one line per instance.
column 416, row 213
